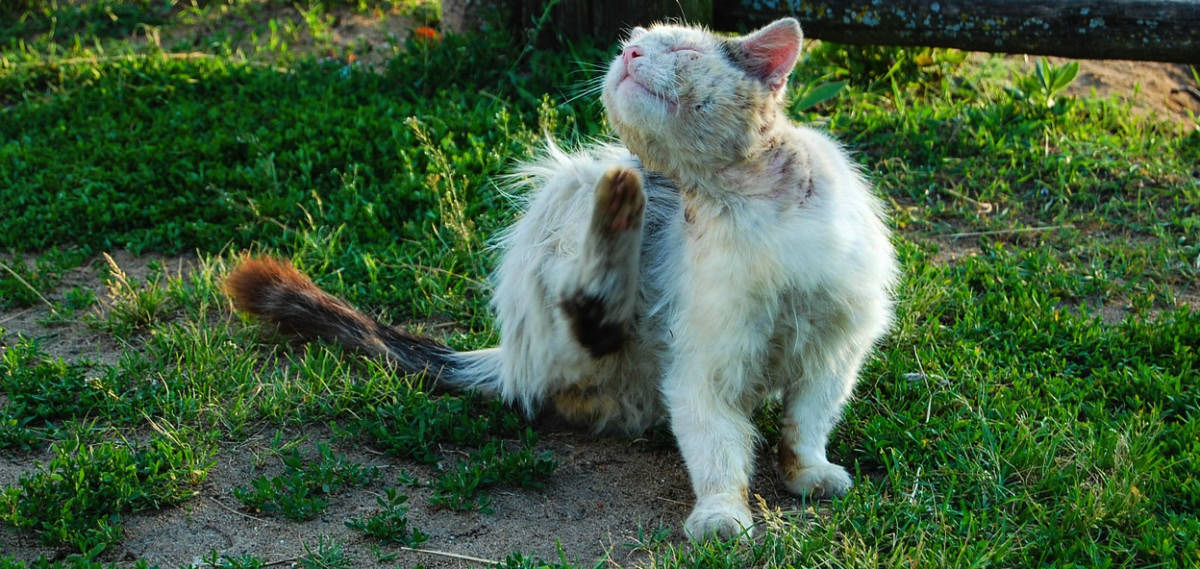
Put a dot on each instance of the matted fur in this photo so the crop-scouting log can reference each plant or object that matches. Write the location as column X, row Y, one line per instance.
column 718, row 256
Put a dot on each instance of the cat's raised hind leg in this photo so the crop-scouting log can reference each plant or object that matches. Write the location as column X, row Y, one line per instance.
column 600, row 304
column 599, row 301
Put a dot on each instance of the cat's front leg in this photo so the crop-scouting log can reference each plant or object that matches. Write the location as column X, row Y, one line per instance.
column 716, row 438
column 811, row 409
column 601, row 297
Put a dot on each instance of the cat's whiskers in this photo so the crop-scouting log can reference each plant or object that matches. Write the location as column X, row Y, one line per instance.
column 588, row 88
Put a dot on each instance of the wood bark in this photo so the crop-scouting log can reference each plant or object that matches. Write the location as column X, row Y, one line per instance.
column 604, row 20
column 1155, row 30
column 609, row 20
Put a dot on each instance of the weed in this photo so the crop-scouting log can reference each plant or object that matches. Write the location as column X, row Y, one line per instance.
column 299, row 493
column 1042, row 86
column 327, row 555
column 462, row 486
column 132, row 306
column 71, row 562
column 44, row 393
column 415, row 424
column 519, row 561
column 219, row 561
column 21, row 280
column 390, row 524
column 649, row 541
column 77, row 498
column 813, row 95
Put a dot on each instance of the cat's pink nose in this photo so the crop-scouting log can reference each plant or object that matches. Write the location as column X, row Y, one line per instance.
column 630, row 52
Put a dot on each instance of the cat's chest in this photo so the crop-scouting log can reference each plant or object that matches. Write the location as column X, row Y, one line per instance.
column 735, row 247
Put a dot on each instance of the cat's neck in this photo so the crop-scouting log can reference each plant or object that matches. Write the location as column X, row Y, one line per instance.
column 775, row 166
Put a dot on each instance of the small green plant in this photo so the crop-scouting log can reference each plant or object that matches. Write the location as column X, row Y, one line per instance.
column 79, row 298
column 133, row 306
column 327, row 555
column 415, row 424
column 45, row 393
column 219, row 561
column 299, row 492
column 813, row 94
column 649, row 540
column 71, row 562
column 462, row 486
column 390, row 523
column 1041, row 88
column 319, row 22
column 22, row 281
column 521, row 561
column 78, row 498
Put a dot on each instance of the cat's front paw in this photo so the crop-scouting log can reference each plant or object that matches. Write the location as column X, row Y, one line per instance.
column 619, row 201
column 822, row 480
column 720, row 516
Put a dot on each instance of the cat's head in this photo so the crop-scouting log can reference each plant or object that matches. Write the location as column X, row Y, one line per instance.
column 680, row 96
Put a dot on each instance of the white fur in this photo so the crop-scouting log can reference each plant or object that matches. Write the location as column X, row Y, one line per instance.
column 776, row 280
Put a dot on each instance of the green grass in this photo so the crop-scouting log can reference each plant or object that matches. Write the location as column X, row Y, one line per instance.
column 78, row 497
column 1036, row 404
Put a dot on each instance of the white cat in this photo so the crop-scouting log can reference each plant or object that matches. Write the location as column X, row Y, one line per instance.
column 721, row 256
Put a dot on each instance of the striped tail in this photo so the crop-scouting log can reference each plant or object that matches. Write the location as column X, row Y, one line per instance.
column 275, row 291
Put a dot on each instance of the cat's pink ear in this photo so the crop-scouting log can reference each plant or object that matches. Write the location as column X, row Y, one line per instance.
column 770, row 54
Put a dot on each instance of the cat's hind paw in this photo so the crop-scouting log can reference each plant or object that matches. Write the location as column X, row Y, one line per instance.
column 620, row 201
column 820, row 481
column 721, row 517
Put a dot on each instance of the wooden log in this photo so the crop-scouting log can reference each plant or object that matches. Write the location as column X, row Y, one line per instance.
column 609, row 20
column 604, row 20
column 1154, row 30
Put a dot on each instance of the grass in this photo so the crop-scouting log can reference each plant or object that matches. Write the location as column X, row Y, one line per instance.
column 1036, row 404
column 77, row 498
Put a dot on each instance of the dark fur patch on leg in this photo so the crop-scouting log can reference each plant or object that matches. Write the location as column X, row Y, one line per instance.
column 586, row 314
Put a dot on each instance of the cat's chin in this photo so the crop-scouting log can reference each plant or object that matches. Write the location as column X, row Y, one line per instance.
column 631, row 94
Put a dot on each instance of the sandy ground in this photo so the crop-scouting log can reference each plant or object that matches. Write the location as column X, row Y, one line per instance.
column 604, row 490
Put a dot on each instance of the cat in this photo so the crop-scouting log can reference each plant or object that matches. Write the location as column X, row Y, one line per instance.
column 718, row 256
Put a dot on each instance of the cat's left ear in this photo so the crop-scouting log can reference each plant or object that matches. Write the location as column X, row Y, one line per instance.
column 769, row 54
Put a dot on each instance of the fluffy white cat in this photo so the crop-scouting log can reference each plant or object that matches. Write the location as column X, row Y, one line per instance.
column 719, row 256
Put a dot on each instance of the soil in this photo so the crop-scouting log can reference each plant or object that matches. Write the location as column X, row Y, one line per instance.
column 604, row 491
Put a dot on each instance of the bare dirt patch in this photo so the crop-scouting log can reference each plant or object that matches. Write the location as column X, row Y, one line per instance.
column 70, row 337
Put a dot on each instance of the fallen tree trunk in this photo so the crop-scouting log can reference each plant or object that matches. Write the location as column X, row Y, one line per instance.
column 1153, row 30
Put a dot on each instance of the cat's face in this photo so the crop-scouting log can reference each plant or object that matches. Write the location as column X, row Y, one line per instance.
column 681, row 96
